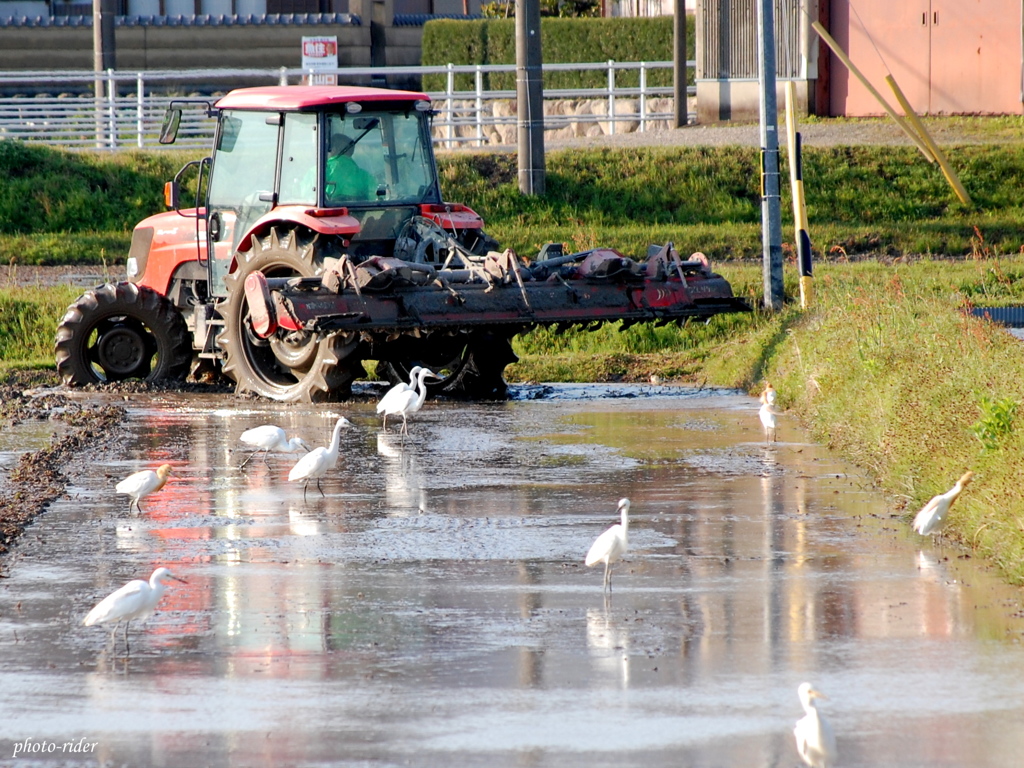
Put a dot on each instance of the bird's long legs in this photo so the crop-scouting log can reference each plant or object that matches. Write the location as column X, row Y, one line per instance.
column 250, row 456
column 306, row 486
column 607, row 576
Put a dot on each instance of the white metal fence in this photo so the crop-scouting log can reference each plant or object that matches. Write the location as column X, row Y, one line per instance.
column 131, row 109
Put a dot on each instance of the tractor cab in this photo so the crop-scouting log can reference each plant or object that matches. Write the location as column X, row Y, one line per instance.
column 348, row 161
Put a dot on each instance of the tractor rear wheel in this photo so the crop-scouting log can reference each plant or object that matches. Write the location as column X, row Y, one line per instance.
column 290, row 366
column 122, row 331
column 470, row 366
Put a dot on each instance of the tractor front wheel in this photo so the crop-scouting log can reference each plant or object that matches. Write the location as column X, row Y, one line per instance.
column 290, row 366
column 122, row 331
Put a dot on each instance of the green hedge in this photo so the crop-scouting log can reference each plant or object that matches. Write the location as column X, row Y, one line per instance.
column 492, row 41
column 45, row 190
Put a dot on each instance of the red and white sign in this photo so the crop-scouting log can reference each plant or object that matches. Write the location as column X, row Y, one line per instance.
column 320, row 53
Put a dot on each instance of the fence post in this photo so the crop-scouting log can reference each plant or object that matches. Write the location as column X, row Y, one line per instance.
column 643, row 96
column 611, row 97
column 111, row 108
column 282, row 76
column 479, row 106
column 450, row 105
column 140, row 107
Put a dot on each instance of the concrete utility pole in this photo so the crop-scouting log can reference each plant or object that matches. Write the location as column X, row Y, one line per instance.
column 771, row 204
column 104, row 54
column 530, row 97
column 679, row 68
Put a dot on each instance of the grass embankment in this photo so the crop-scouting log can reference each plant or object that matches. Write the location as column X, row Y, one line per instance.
column 79, row 207
column 889, row 370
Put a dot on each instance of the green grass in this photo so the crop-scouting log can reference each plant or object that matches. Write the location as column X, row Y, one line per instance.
column 28, row 325
column 889, row 370
column 79, row 207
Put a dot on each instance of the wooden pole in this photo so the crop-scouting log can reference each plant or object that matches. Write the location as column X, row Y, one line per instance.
column 679, row 68
column 940, row 157
column 839, row 52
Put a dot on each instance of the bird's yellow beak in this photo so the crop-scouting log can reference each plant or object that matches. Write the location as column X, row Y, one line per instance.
column 966, row 478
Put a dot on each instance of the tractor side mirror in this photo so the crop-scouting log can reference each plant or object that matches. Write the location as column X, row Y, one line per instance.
column 169, row 130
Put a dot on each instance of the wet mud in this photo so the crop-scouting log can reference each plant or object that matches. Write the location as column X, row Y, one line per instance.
column 432, row 607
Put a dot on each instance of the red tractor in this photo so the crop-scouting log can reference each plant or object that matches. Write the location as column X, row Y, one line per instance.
column 319, row 238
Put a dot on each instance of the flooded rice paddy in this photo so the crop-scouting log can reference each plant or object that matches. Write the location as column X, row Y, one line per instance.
column 432, row 609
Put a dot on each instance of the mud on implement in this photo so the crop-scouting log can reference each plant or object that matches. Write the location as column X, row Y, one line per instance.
column 319, row 239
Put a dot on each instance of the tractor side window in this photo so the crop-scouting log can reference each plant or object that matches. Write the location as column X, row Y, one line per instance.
column 298, row 160
column 408, row 162
column 243, row 172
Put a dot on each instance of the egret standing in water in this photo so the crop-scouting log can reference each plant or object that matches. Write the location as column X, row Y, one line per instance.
column 270, row 438
column 767, row 413
column 407, row 400
column 142, row 484
column 319, row 461
column 392, row 395
column 135, row 600
column 611, row 545
column 815, row 740
column 933, row 516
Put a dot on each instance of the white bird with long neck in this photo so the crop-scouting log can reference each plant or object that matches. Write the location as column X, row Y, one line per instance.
column 392, row 395
column 135, row 600
column 611, row 545
column 269, row 438
column 319, row 461
column 406, row 401
column 141, row 484
column 933, row 516
column 768, row 412
column 815, row 740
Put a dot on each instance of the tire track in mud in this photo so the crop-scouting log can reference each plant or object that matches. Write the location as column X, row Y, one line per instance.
column 38, row 477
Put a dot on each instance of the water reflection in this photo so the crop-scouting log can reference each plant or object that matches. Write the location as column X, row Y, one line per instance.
column 435, row 603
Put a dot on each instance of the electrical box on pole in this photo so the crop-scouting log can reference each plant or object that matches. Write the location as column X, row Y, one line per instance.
column 771, row 203
column 530, row 97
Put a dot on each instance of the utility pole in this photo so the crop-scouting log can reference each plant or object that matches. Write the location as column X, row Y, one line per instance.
column 103, row 54
column 771, row 204
column 679, row 68
column 530, row 97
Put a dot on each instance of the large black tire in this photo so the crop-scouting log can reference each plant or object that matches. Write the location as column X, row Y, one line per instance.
column 470, row 365
column 122, row 331
column 290, row 366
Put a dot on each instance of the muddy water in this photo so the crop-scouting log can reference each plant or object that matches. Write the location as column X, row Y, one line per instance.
column 432, row 608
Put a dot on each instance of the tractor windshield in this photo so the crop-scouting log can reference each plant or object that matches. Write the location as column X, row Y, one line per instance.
column 378, row 157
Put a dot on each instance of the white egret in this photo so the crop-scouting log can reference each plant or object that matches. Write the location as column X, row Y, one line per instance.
column 611, row 545
column 390, row 397
column 932, row 517
column 135, row 600
column 767, row 413
column 269, row 438
column 815, row 740
column 142, row 484
column 319, row 461
column 406, row 401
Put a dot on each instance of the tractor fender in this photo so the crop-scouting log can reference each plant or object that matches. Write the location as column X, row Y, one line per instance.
column 326, row 221
column 452, row 215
